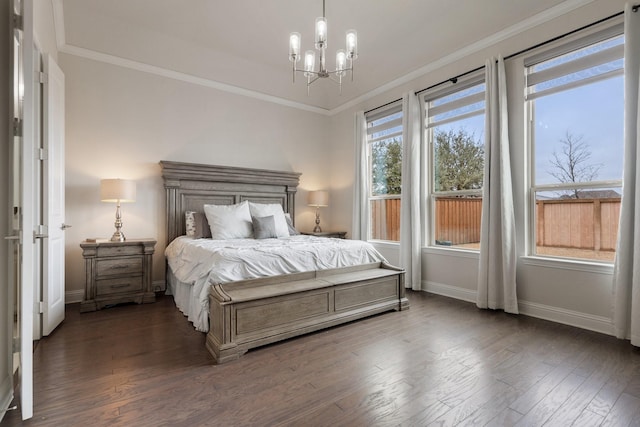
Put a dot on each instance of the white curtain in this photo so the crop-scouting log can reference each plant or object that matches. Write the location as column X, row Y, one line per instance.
column 360, row 201
column 626, row 273
column 410, row 215
column 497, row 270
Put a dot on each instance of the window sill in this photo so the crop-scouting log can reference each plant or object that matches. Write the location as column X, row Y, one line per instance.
column 568, row 264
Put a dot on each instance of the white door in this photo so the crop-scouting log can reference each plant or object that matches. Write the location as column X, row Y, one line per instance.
column 53, row 196
column 23, row 188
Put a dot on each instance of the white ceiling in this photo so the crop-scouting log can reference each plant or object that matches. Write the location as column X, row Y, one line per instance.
column 244, row 43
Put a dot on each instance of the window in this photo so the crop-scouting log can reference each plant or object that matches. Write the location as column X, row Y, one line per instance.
column 454, row 129
column 576, row 107
column 384, row 151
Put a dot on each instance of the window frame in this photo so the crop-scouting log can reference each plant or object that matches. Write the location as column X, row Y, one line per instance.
column 537, row 56
column 472, row 79
column 389, row 110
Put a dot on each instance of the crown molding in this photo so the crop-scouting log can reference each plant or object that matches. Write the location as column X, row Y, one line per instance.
column 188, row 78
column 538, row 19
column 508, row 32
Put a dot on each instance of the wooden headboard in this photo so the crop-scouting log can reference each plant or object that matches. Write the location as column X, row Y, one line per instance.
column 190, row 186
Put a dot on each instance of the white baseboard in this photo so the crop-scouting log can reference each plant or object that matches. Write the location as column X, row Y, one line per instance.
column 532, row 309
column 73, row 296
column 6, row 395
column 449, row 291
column 567, row 317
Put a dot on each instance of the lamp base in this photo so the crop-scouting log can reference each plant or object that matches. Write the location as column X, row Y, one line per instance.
column 317, row 228
column 118, row 236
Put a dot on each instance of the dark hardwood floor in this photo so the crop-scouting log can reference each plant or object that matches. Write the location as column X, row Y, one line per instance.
column 443, row 362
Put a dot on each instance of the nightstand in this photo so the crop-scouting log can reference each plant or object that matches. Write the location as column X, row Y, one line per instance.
column 117, row 272
column 336, row 234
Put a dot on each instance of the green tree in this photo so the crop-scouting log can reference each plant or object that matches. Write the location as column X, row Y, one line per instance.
column 459, row 161
column 386, row 165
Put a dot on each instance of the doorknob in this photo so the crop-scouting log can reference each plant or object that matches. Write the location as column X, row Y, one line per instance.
column 64, row 226
column 11, row 237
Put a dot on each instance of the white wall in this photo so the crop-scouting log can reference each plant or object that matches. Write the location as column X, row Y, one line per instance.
column 566, row 292
column 121, row 123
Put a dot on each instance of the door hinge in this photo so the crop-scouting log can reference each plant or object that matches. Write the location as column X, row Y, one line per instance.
column 17, row 127
column 42, row 233
column 16, row 345
column 43, row 77
column 17, row 21
column 41, row 307
column 43, row 154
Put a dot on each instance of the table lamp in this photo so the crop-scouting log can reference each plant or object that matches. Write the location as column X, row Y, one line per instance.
column 318, row 199
column 117, row 191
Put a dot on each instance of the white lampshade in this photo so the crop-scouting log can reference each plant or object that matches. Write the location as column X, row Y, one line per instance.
column 318, row 198
column 117, row 190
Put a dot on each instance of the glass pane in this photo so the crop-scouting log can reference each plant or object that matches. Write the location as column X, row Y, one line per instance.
column 578, row 134
column 386, row 166
column 385, row 219
column 458, row 221
column 388, row 130
column 580, row 53
column 578, row 223
column 458, row 153
column 455, row 112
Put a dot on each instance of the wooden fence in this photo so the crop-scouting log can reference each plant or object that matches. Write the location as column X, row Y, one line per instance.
column 578, row 223
column 385, row 224
column 567, row 223
column 458, row 220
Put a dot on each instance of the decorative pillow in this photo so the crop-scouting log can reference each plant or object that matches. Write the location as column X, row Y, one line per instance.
column 229, row 221
column 292, row 229
column 190, row 223
column 202, row 226
column 261, row 210
column 264, row 227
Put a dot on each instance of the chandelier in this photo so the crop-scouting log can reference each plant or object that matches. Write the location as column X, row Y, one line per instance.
column 342, row 55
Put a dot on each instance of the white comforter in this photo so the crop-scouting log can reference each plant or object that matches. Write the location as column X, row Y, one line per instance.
column 199, row 261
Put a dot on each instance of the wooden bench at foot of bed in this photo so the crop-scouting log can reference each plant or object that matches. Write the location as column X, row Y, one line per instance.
column 251, row 313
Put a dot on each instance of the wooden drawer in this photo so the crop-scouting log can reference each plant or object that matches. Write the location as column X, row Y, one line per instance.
column 117, row 272
column 121, row 285
column 107, row 251
column 119, row 266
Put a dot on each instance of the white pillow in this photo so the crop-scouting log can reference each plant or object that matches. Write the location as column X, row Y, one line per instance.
column 229, row 221
column 261, row 210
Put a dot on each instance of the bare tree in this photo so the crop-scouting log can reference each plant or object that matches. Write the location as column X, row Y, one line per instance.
column 573, row 164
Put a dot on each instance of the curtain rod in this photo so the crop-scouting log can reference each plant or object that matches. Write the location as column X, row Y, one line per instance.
column 454, row 80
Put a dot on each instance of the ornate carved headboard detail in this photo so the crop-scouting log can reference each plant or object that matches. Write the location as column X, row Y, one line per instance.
column 190, row 186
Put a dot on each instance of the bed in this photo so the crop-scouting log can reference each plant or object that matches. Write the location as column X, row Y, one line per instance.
column 242, row 312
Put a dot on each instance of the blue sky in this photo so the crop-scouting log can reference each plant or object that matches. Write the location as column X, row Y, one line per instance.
column 594, row 111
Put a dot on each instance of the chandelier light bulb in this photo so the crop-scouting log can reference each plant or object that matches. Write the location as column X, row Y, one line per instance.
column 352, row 44
column 294, row 47
column 321, row 33
column 309, row 62
column 341, row 61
